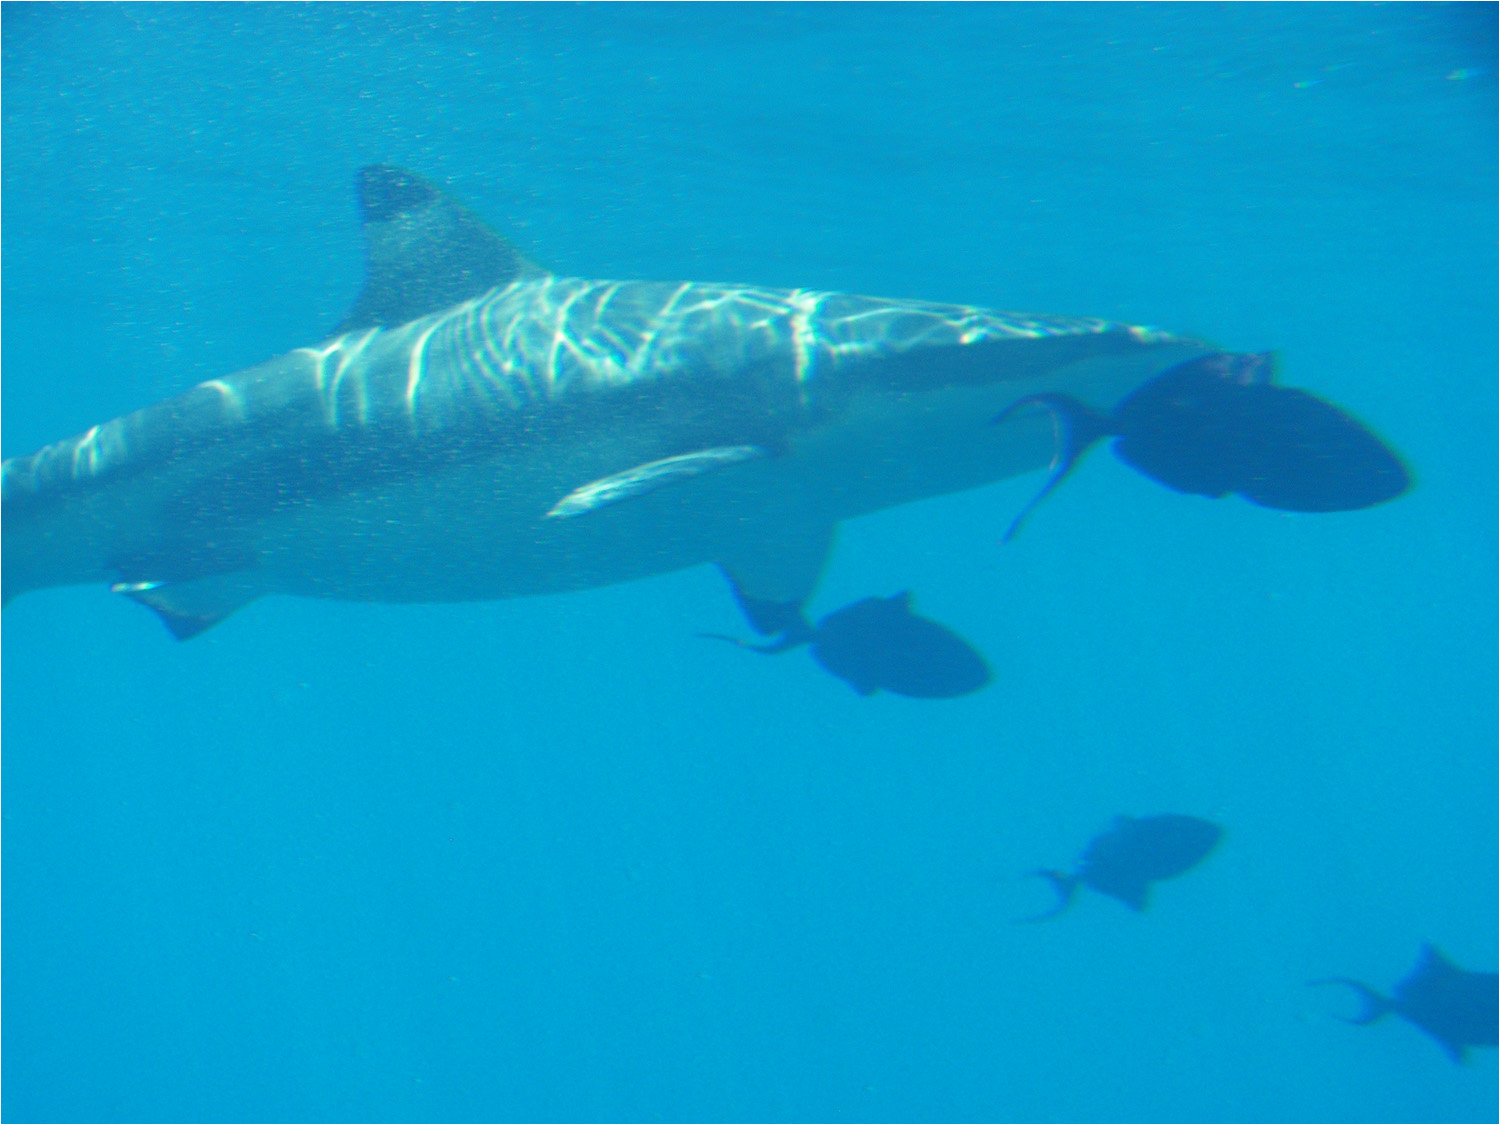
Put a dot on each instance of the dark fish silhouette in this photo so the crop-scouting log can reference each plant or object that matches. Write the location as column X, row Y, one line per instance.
column 1458, row 1008
column 1217, row 424
column 1133, row 854
column 876, row 644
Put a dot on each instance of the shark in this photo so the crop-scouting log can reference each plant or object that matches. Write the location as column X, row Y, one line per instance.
column 478, row 428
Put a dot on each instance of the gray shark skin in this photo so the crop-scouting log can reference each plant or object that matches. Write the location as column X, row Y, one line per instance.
column 480, row 428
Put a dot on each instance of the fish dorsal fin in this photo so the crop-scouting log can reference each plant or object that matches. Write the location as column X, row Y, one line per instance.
column 1431, row 961
column 424, row 251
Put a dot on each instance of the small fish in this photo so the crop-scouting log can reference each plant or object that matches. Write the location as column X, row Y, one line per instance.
column 1458, row 1008
column 1133, row 854
column 879, row 644
column 1217, row 424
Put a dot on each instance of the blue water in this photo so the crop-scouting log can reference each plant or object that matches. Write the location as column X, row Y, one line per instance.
column 557, row 859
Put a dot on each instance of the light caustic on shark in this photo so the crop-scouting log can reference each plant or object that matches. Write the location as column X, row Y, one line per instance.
column 479, row 428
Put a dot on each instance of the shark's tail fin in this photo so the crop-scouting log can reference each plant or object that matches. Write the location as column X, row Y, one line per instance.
column 1375, row 1005
column 1065, row 885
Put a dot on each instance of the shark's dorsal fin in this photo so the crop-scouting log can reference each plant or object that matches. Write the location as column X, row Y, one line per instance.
column 424, row 250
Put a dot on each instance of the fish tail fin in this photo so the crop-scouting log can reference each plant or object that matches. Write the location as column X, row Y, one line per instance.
column 1375, row 1005
column 786, row 644
column 769, row 618
column 1075, row 429
column 1065, row 885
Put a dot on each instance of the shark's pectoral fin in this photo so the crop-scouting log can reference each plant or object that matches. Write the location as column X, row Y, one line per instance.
column 425, row 251
column 648, row 478
column 191, row 607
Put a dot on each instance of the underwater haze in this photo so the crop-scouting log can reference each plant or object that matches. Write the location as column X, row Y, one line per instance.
column 560, row 858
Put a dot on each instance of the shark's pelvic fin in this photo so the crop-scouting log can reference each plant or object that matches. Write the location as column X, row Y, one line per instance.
column 773, row 578
column 780, row 566
column 648, row 478
column 192, row 607
column 426, row 252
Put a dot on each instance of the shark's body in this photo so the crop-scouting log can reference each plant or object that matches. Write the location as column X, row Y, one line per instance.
column 481, row 429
